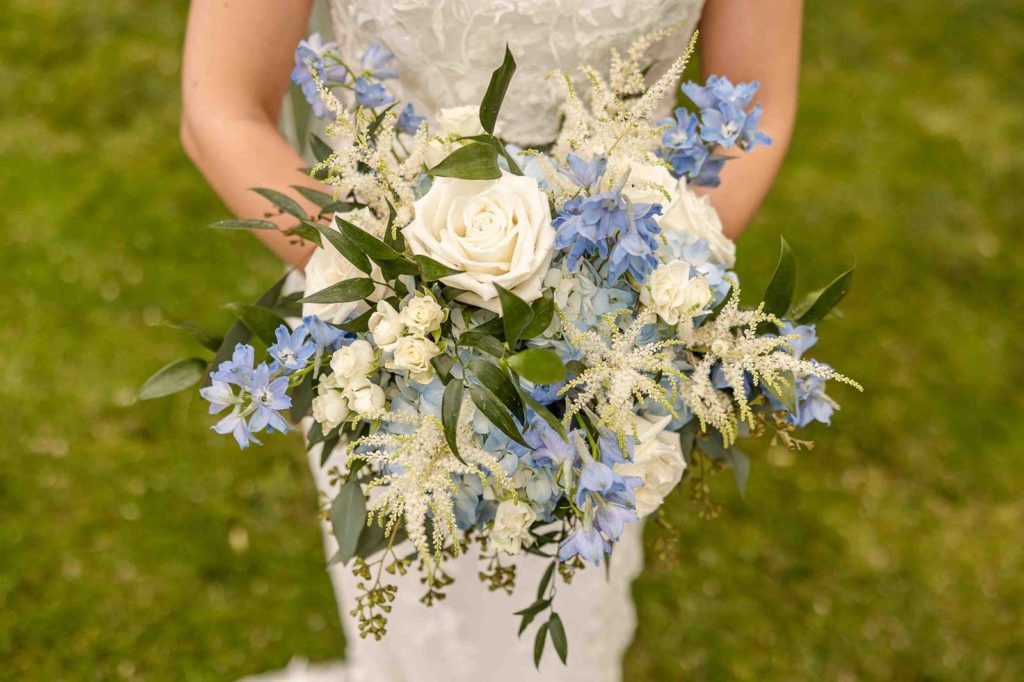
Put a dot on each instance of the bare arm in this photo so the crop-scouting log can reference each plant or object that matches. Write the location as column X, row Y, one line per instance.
column 237, row 59
column 754, row 41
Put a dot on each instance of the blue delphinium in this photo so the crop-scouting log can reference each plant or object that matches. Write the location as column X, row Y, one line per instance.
column 376, row 60
column 269, row 395
column 409, row 121
column 634, row 251
column 681, row 144
column 239, row 369
column 309, row 57
column 812, row 403
column 585, row 174
column 292, row 350
column 585, row 542
column 371, row 95
column 235, row 424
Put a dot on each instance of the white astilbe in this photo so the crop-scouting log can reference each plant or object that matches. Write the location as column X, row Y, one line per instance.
column 732, row 340
column 619, row 373
column 422, row 488
column 369, row 160
column 618, row 122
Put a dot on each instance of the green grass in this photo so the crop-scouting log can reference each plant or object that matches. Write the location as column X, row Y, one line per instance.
column 891, row 551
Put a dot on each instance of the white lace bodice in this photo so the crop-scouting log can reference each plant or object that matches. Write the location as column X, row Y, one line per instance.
column 446, row 49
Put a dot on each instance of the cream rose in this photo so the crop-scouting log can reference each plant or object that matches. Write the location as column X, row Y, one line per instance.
column 364, row 396
column 673, row 294
column 650, row 183
column 453, row 122
column 414, row 353
column 327, row 267
column 330, row 408
column 693, row 214
column 386, row 326
column 352, row 362
column 422, row 314
column 512, row 523
column 657, row 461
column 494, row 231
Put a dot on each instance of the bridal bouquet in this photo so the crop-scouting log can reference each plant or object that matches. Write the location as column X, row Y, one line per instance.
column 519, row 349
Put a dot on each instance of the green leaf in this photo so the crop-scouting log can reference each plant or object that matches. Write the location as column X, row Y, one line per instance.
column 443, row 366
column 538, row 365
column 538, row 644
column 393, row 269
column 263, row 322
column 484, row 342
column 492, row 327
column 534, row 608
column 370, row 245
column 358, row 325
column 344, row 245
column 473, row 161
column 451, row 406
column 307, row 231
column 283, row 202
column 496, row 90
column 787, row 396
column 525, row 624
column 321, row 150
column 177, row 376
column 348, row 519
column 206, row 339
column 543, row 310
column 433, row 270
column 498, row 383
column 499, row 415
column 346, row 291
column 302, row 399
column 545, row 414
column 375, row 126
column 778, row 297
column 239, row 224
column 515, row 315
column 828, row 299
column 314, row 196
column 740, row 466
column 558, row 636
column 546, row 580
column 687, row 439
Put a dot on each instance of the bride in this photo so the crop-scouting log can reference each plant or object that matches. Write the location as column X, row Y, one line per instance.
column 237, row 59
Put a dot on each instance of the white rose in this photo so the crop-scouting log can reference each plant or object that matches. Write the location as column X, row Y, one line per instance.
column 657, row 461
column 650, row 183
column 453, row 122
column 364, row 396
column 695, row 215
column 327, row 267
column 673, row 294
column 422, row 314
column 353, row 361
column 386, row 326
column 494, row 231
column 330, row 408
column 512, row 523
column 414, row 353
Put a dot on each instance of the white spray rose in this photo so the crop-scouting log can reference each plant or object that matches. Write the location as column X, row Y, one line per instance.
column 453, row 121
column 512, row 523
column 386, row 326
column 695, row 215
column 673, row 294
column 494, row 231
column 650, row 183
column 364, row 396
column 353, row 361
column 327, row 267
column 330, row 408
column 414, row 353
column 422, row 314
column 657, row 461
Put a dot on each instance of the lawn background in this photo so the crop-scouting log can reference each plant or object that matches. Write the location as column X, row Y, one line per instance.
column 135, row 544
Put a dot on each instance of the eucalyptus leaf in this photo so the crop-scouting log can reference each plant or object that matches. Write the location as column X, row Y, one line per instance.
column 433, row 270
column 494, row 410
column 451, row 406
column 498, row 383
column 474, row 161
column 778, row 297
column 538, row 365
column 348, row 519
column 243, row 224
column 515, row 315
column 177, row 376
column 263, row 322
column 282, row 201
column 740, row 466
column 396, row 267
column 496, row 90
column 828, row 299
column 534, row 608
column 345, row 291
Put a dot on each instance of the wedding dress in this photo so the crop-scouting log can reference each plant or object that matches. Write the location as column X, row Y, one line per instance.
column 445, row 51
